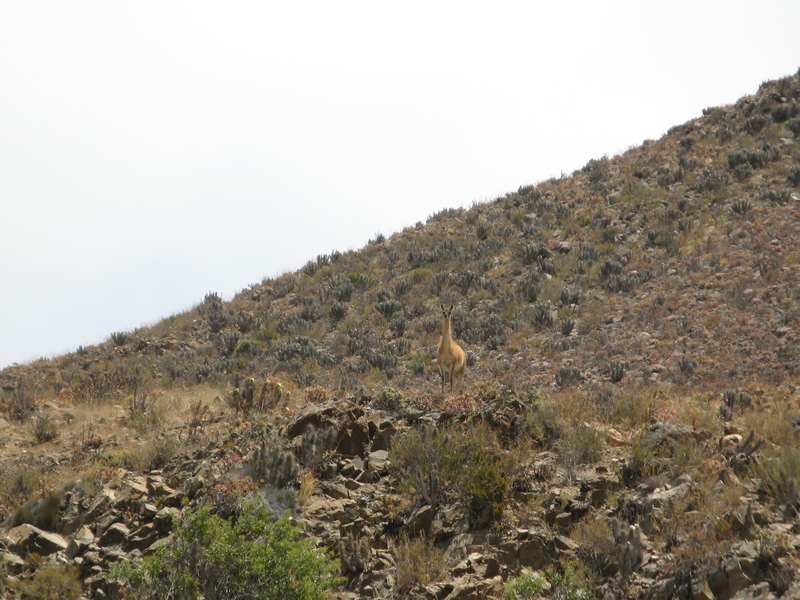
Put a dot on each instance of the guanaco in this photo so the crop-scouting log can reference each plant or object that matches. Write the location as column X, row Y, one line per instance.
column 452, row 359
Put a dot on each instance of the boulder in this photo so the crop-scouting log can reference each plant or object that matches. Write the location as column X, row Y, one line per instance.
column 322, row 416
column 11, row 562
column 377, row 462
column 662, row 434
column 30, row 539
column 115, row 535
column 420, row 521
column 471, row 588
column 131, row 492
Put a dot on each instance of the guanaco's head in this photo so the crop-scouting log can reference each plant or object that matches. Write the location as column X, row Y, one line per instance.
column 446, row 311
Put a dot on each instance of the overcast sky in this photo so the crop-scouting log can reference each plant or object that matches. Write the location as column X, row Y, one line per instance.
column 151, row 152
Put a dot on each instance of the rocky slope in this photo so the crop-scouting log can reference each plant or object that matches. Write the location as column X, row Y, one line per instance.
column 628, row 428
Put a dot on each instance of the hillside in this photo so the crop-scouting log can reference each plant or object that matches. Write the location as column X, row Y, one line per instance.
column 627, row 427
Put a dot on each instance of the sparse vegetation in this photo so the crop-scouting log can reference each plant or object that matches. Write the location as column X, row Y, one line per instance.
column 630, row 333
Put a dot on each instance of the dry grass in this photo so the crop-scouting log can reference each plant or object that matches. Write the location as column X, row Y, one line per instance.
column 418, row 562
column 308, row 484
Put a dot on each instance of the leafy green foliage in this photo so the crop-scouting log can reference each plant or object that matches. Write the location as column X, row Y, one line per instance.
column 527, row 586
column 254, row 558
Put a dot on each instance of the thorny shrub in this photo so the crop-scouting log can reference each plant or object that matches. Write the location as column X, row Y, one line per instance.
column 463, row 461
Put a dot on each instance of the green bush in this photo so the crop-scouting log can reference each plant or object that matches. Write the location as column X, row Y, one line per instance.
column 389, row 399
column 252, row 558
column 526, row 586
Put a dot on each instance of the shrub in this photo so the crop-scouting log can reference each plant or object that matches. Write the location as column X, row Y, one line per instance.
column 780, row 477
column 755, row 123
column 120, row 338
column 540, row 422
column 158, row 453
column 389, row 399
column 582, row 445
column 527, row 586
column 794, row 176
column 568, row 585
column 597, row 548
column 43, row 429
column 20, row 405
column 53, row 582
column 43, row 513
column 712, row 180
column 463, row 460
column 254, row 558
column 567, row 376
column 418, row 562
column 246, row 346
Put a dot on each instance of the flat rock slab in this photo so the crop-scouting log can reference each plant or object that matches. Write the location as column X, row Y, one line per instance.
column 27, row 538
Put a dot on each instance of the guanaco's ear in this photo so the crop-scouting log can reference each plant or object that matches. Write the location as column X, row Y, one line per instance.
column 451, row 307
column 442, row 305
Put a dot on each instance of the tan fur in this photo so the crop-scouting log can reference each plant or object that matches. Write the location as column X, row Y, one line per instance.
column 452, row 359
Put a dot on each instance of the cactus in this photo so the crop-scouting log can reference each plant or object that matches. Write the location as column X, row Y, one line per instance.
column 755, row 123
column 530, row 287
column 354, row 554
column 388, row 308
column 742, row 207
column 628, row 543
column 402, row 287
column 439, row 281
column 794, row 176
column 272, row 466
column 430, row 486
column 567, row 376
column 712, row 180
column 732, row 402
column 542, row 316
column 587, row 253
column 464, row 280
column 246, row 322
column 687, row 364
column 313, row 447
column 228, row 340
column 566, row 326
column 570, row 297
column 120, row 338
column 616, row 371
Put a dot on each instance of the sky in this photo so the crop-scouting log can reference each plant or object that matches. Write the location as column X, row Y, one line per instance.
column 151, row 152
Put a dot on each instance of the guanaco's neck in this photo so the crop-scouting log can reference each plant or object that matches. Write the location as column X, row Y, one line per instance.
column 446, row 329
